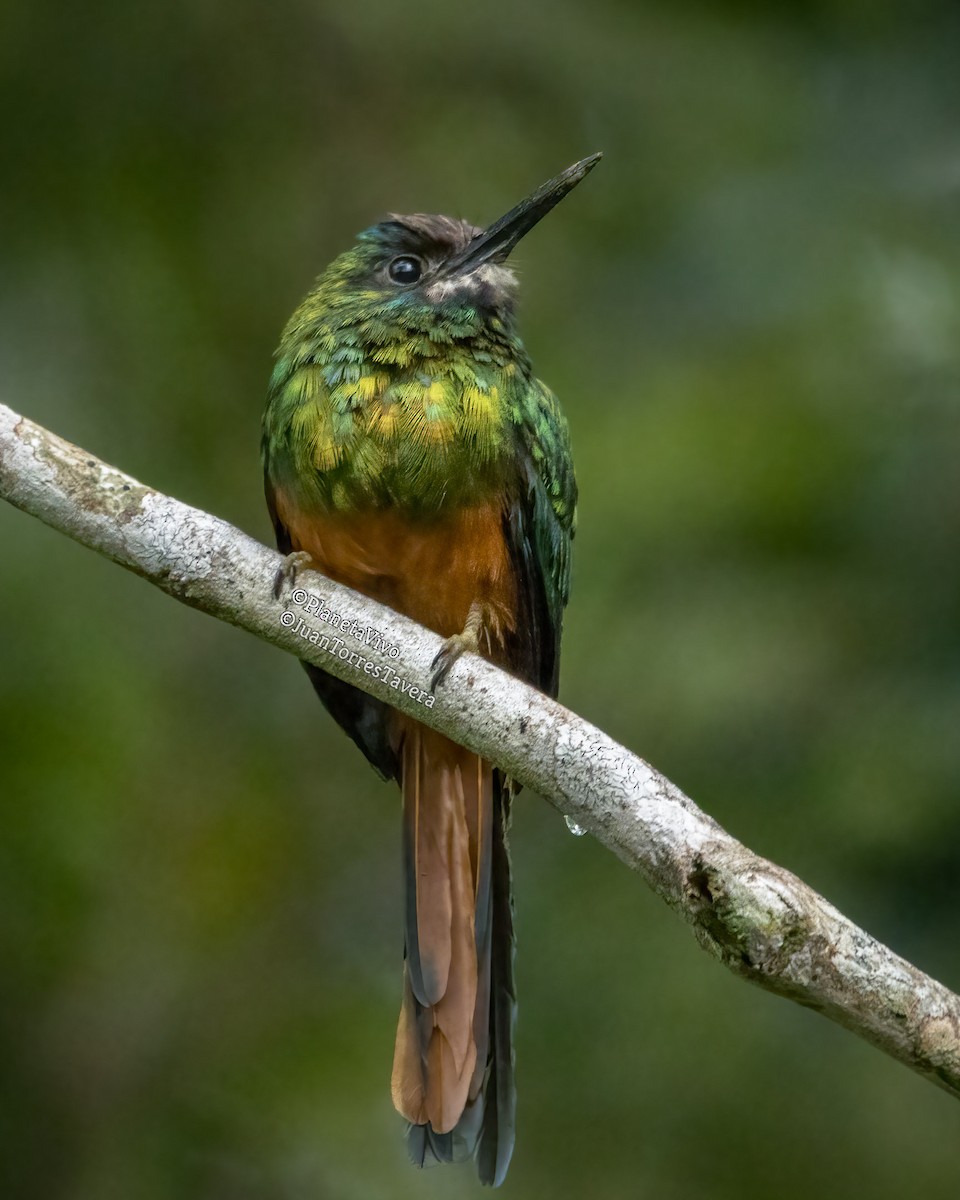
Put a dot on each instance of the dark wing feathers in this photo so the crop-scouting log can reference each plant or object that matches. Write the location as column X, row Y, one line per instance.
column 539, row 526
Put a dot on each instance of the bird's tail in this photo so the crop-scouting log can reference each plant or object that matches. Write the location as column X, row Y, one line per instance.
column 453, row 1065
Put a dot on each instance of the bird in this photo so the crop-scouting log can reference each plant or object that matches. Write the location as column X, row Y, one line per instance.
column 410, row 453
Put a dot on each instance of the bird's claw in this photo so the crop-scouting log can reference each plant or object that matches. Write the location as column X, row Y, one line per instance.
column 460, row 643
column 288, row 570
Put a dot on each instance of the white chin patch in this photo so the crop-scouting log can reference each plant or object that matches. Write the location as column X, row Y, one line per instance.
column 489, row 286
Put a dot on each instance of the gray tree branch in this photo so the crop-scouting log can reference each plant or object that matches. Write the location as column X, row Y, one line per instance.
column 760, row 920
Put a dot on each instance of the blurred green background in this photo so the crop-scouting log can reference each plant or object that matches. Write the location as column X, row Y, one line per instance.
column 751, row 313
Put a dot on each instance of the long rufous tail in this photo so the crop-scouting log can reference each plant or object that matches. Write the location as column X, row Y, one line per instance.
column 453, row 1065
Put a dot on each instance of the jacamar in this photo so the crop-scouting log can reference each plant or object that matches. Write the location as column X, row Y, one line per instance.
column 410, row 453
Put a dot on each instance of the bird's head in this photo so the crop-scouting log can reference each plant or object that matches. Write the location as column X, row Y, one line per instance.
column 432, row 277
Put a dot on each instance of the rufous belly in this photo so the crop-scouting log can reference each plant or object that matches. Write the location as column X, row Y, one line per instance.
column 432, row 570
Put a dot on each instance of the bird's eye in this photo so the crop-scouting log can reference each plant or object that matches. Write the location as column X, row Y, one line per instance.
column 405, row 269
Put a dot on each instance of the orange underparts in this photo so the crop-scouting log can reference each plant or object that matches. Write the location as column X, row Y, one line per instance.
column 432, row 570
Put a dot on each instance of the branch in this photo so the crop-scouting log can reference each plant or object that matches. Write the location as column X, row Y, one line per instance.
column 758, row 919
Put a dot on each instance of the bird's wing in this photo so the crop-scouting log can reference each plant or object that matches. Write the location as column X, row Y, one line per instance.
column 539, row 527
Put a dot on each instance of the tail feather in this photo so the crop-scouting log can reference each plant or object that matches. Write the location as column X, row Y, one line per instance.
column 495, row 1146
column 427, row 822
column 453, row 1065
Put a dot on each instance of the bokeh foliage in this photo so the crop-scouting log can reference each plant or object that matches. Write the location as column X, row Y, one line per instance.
column 751, row 312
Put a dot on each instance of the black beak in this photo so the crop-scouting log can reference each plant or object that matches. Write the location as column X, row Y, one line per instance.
column 496, row 242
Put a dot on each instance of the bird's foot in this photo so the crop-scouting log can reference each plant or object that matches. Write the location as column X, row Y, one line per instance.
column 289, row 569
column 467, row 642
column 450, row 651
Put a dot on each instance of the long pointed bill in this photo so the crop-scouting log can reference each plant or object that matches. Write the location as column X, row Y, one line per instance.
column 496, row 242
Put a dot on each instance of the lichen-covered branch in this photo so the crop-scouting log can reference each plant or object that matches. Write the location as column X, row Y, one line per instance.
column 757, row 918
